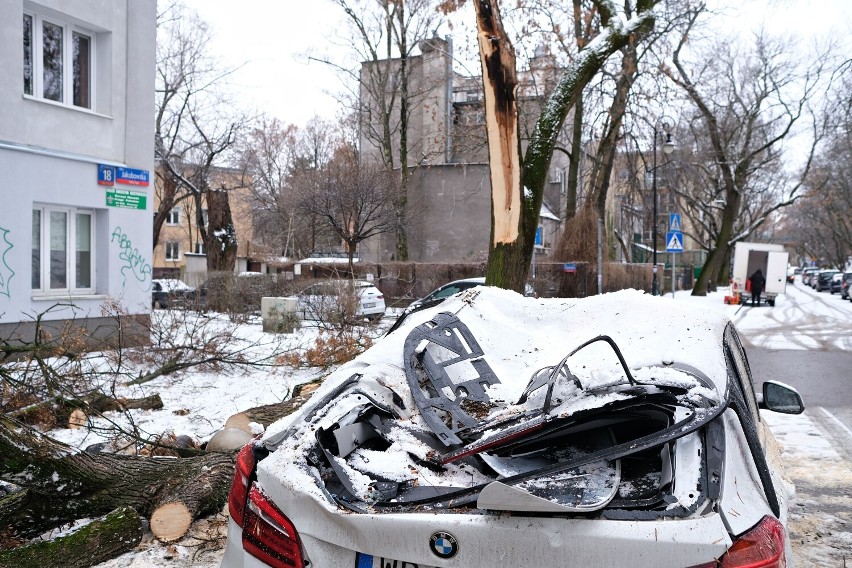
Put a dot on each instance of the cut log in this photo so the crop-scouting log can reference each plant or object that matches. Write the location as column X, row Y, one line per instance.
column 77, row 420
column 95, row 484
column 116, row 533
column 170, row 521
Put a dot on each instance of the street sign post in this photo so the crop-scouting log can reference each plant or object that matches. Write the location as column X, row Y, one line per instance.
column 674, row 244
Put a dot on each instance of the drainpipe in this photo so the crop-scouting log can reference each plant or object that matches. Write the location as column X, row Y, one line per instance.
column 448, row 122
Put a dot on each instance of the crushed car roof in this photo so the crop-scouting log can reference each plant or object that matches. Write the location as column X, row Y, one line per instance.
column 486, row 374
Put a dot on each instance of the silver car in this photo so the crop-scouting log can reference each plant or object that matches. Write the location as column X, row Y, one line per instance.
column 333, row 300
column 497, row 430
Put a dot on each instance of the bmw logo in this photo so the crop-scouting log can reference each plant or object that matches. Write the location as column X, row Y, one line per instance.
column 444, row 545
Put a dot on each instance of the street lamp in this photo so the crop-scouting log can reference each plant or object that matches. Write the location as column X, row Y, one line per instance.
column 668, row 148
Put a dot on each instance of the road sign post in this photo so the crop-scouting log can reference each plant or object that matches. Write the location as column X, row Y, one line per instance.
column 674, row 244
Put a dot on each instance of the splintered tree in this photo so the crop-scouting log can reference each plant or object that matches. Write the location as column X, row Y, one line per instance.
column 518, row 181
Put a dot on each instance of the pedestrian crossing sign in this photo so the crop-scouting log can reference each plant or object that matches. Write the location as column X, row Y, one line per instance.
column 674, row 222
column 674, row 241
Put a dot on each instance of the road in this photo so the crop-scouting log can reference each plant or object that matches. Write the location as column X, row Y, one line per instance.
column 806, row 342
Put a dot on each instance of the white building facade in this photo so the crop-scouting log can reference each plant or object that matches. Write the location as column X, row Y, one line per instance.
column 77, row 157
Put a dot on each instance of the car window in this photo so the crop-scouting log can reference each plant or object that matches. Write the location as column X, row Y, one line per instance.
column 447, row 291
column 741, row 369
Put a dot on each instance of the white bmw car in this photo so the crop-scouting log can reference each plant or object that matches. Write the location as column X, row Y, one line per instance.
column 497, row 430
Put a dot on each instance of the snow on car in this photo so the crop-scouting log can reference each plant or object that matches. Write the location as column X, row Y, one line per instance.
column 498, row 430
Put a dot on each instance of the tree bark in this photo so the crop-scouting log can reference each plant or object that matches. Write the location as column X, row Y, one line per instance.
column 511, row 249
column 116, row 533
column 95, row 484
column 221, row 243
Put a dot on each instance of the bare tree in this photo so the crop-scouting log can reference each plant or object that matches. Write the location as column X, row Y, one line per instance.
column 352, row 199
column 819, row 225
column 387, row 34
column 195, row 124
column 274, row 155
column 746, row 103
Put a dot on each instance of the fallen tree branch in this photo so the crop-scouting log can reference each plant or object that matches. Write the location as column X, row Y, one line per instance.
column 116, row 533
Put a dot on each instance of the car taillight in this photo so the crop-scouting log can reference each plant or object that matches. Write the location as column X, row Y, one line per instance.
column 760, row 547
column 238, row 497
column 269, row 535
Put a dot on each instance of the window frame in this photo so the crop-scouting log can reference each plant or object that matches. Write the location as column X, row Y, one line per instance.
column 36, row 53
column 173, row 217
column 167, row 249
column 45, row 232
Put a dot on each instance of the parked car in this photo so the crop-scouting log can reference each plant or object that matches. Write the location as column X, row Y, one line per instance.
column 834, row 285
column 497, row 430
column 170, row 293
column 331, row 300
column 443, row 292
column 822, row 282
column 440, row 294
column 806, row 274
column 845, row 283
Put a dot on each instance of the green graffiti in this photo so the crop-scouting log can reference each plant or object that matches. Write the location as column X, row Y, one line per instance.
column 6, row 272
column 133, row 259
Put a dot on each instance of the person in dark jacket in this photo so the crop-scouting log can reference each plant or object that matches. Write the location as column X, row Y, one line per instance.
column 758, row 282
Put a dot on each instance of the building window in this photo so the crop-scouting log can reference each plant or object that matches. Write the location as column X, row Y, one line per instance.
column 199, row 247
column 62, row 254
column 173, row 250
column 204, row 217
column 173, row 217
column 58, row 61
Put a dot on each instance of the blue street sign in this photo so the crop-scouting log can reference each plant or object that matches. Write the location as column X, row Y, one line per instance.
column 674, row 223
column 106, row 175
column 674, row 241
column 569, row 267
column 129, row 176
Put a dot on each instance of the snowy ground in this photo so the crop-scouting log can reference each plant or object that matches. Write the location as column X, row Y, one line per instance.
column 198, row 404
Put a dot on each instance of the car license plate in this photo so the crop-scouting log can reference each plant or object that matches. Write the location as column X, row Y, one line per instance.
column 370, row 561
column 370, row 305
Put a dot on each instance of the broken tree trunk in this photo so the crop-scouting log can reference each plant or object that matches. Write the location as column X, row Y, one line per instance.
column 116, row 533
column 269, row 413
column 71, row 485
column 81, row 408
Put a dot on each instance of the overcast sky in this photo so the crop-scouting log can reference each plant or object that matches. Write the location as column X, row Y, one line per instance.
column 271, row 40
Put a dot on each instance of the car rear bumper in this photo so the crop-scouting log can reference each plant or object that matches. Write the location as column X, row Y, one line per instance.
column 332, row 536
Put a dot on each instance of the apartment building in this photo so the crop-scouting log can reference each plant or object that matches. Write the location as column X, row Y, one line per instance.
column 76, row 152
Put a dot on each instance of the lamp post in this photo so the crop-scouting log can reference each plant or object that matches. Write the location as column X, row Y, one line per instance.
column 668, row 148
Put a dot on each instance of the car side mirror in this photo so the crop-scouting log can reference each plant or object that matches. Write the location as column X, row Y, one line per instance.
column 782, row 398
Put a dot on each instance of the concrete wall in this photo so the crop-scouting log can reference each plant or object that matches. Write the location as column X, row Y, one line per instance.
column 49, row 155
